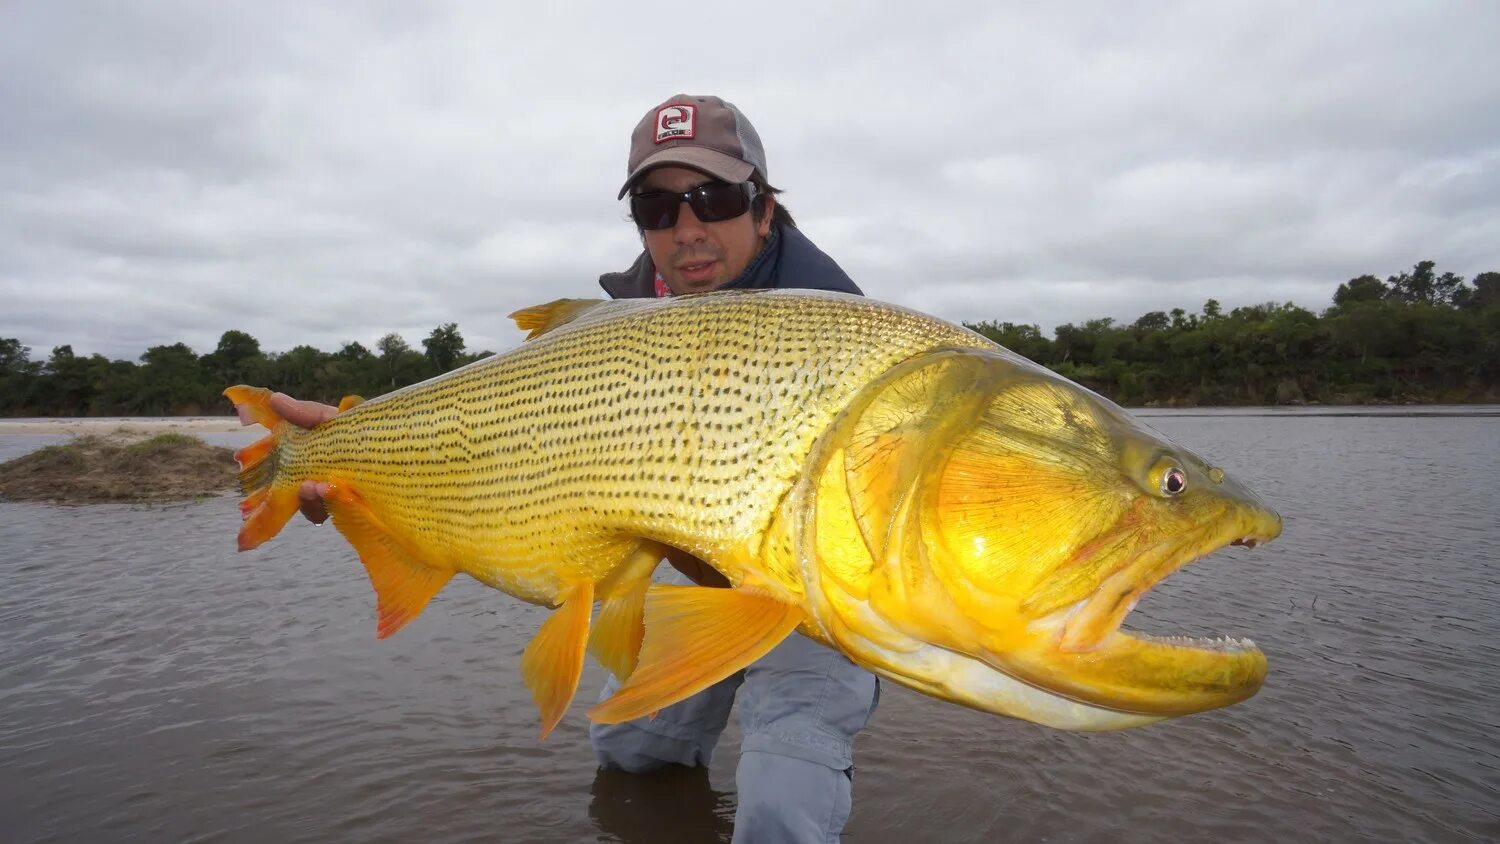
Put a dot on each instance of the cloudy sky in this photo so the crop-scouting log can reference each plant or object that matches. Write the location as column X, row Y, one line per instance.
column 324, row 173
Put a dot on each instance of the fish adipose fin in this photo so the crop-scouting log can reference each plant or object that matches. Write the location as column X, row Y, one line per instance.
column 695, row 637
column 554, row 659
column 264, row 508
column 616, row 638
column 403, row 582
column 539, row 319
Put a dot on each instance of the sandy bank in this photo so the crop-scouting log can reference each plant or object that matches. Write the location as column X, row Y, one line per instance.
column 128, row 427
column 169, row 466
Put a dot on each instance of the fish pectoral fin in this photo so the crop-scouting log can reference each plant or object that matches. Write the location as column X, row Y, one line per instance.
column 618, row 630
column 350, row 401
column 695, row 637
column 554, row 659
column 539, row 319
column 403, row 582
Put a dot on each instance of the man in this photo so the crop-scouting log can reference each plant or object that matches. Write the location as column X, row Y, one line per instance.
column 709, row 220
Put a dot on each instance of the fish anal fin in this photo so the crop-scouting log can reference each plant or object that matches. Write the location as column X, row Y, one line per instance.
column 403, row 582
column 350, row 401
column 695, row 637
column 615, row 639
column 553, row 660
column 539, row 319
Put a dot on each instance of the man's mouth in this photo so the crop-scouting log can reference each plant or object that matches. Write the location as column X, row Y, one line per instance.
column 697, row 270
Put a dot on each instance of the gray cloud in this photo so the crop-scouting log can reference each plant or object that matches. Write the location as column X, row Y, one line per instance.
column 317, row 175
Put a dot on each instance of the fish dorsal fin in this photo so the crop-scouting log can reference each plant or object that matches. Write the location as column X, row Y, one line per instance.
column 539, row 319
column 695, row 637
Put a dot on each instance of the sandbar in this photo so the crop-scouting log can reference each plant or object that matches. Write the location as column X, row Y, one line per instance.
column 121, row 426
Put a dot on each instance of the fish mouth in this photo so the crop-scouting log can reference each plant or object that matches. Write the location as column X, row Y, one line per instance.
column 1081, row 651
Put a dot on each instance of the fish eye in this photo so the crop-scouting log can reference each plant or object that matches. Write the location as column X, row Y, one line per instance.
column 1173, row 481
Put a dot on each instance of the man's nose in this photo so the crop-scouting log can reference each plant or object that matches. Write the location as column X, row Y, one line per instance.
column 689, row 228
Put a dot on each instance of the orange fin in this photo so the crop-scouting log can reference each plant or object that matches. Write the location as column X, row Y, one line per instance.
column 350, row 401
column 616, row 638
column 253, row 404
column 403, row 582
column 539, row 319
column 695, row 637
column 266, row 507
column 554, row 659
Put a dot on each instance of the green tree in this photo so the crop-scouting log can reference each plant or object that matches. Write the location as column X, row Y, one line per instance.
column 444, row 346
column 236, row 360
column 399, row 365
column 1420, row 286
column 1153, row 321
column 1485, row 293
column 1449, row 289
column 1025, row 340
column 13, row 356
column 1366, row 288
column 355, row 352
column 66, row 387
column 170, row 381
column 17, row 374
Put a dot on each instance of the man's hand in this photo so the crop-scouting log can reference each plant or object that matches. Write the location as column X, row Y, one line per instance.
column 306, row 414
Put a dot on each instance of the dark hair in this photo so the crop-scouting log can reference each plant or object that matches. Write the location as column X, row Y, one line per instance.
column 758, row 207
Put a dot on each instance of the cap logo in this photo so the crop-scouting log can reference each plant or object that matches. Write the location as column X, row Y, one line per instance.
column 675, row 122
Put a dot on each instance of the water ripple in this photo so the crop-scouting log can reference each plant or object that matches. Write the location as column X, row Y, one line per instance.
column 158, row 685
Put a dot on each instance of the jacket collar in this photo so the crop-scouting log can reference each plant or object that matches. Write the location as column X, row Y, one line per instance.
column 639, row 281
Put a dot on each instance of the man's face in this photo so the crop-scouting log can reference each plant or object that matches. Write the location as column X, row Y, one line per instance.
column 694, row 256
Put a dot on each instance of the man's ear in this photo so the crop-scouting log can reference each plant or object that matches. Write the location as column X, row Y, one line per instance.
column 763, row 226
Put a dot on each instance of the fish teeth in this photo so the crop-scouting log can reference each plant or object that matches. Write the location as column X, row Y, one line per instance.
column 1217, row 643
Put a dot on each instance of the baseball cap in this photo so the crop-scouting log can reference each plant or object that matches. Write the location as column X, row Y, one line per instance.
column 701, row 133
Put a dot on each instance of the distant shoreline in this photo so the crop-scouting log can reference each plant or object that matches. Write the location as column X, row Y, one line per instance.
column 151, row 425
column 126, row 426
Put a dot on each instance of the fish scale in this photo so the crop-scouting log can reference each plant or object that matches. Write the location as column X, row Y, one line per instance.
column 682, row 420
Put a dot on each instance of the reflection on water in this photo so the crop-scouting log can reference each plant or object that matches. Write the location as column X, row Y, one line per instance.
column 156, row 684
column 639, row 807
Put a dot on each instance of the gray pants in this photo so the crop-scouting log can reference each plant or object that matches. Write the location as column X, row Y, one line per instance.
column 800, row 708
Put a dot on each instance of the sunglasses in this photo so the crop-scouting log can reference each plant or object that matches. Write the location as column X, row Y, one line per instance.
column 712, row 202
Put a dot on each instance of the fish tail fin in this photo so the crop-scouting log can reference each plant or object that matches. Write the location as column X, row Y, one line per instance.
column 266, row 507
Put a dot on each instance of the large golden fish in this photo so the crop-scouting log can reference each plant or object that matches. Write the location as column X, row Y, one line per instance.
column 946, row 513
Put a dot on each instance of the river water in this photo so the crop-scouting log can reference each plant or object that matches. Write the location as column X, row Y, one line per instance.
column 156, row 685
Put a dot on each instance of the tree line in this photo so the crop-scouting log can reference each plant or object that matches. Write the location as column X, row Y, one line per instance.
column 175, row 381
column 1417, row 336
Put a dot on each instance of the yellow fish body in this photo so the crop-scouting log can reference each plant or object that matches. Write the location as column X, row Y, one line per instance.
column 944, row 512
